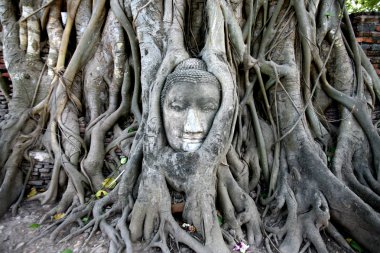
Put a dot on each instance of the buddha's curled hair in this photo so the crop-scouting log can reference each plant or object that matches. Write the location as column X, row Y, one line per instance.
column 191, row 71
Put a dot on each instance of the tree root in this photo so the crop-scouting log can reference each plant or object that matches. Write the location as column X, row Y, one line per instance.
column 303, row 224
column 289, row 48
column 235, row 200
column 351, row 145
column 333, row 232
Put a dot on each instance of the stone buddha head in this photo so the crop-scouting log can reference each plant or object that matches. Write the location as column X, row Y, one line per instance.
column 189, row 100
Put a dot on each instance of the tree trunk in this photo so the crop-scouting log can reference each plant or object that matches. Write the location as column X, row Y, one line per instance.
column 218, row 106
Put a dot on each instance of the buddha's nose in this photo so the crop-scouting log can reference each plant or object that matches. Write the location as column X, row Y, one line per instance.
column 193, row 123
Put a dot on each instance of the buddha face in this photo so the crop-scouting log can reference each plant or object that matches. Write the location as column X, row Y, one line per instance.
column 188, row 113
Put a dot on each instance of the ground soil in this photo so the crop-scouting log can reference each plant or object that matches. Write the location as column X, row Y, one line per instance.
column 16, row 232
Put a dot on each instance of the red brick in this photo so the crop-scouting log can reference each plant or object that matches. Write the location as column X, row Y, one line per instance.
column 364, row 39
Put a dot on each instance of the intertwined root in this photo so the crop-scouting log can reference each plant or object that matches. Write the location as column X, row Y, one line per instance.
column 303, row 225
column 149, row 219
column 238, row 209
column 270, row 56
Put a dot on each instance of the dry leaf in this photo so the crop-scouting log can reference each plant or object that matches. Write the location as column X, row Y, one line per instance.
column 100, row 194
column 33, row 192
column 109, row 183
column 58, row 216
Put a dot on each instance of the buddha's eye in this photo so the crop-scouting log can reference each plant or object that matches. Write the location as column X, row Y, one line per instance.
column 209, row 107
column 177, row 106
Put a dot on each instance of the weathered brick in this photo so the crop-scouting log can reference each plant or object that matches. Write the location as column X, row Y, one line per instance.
column 368, row 34
column 44, row 170
column 35, row 182
column 372, row 19
column 364, row 40
column 366, row 46
column 364, row 28
column 375, row 60
column 365, row 18
column 45, row 175
column 372, row 53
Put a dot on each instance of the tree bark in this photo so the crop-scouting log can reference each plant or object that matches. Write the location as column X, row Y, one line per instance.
column 268, row 163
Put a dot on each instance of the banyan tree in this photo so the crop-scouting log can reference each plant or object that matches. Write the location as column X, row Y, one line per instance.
column 217, row 111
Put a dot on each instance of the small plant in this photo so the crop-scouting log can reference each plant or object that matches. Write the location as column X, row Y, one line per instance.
column 34, row 226
column 354, row 245
column 67, row 251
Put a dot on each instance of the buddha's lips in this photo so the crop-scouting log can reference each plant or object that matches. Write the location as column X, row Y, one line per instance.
column 192, row 140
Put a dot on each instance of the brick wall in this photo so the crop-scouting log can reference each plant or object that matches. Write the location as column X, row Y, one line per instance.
column 367, row 31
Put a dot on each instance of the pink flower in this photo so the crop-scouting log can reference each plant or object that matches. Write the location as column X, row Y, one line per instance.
column 241, row 247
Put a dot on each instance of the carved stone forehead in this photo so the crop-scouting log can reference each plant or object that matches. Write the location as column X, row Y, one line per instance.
column 192, row 70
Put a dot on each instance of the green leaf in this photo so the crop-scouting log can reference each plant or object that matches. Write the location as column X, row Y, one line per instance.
column 85, row 219
column 331, row 149
column 220, row 220
column 220, row 217
column 356, row 246
column 123, row 160
column 67, row 251
column 34, row 226
column 33, row 192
